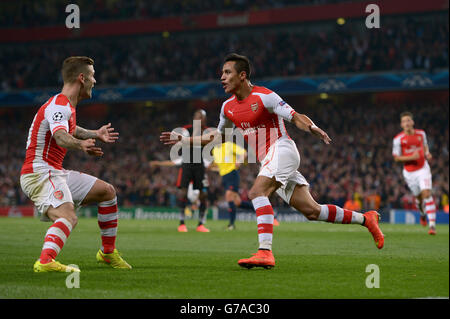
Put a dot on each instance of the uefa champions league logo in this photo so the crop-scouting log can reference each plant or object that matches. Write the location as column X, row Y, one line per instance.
column 57, row 116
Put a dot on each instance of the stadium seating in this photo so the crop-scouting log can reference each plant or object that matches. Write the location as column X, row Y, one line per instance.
column 404, row 43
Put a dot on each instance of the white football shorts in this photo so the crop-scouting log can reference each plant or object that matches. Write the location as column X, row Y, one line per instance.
column 419, row 180
column 56, row 187
column 282, row 162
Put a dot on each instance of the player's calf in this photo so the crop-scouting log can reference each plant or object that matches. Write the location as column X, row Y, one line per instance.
column 107, row 221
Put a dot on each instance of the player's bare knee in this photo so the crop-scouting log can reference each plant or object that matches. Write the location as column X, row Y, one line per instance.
column 254, row 193
column 66, row 211
column 70, row 215
column 109, row 192
column 425, row 194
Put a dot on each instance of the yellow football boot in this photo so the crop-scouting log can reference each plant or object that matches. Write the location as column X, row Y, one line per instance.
column 113, row 259
column 53, row 266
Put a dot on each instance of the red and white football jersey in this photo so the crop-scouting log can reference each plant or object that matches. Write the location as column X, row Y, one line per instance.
column 42, row 151
column 404, row 144
column 260, row 116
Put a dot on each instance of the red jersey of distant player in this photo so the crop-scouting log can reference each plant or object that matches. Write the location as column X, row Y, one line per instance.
column 42, row 151
column 262, row 111
column 404, row 145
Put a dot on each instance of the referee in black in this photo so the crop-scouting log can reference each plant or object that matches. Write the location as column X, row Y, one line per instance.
column 192, row 170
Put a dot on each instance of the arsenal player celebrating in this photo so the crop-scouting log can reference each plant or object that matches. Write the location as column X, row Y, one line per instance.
column 411, row 148
column 260, row 114
column 57, row 192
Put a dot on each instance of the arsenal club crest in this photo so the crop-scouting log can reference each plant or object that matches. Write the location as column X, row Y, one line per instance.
column 254, row 107
column 58, row 195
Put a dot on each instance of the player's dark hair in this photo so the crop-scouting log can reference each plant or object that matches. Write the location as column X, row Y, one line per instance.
column 242, row 63
column 406, row 113
column 73, row 66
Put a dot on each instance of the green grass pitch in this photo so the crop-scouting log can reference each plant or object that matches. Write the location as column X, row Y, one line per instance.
column 313, row 260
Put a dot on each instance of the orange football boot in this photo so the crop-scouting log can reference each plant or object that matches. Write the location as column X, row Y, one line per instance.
column 372, row 218
column 263, row 258
column 432, row 231
column 202, row 229
column 182, row 228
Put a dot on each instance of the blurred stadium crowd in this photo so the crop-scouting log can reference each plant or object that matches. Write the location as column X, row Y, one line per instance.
column 358, row 164
column 51, row 12
column 404, row 43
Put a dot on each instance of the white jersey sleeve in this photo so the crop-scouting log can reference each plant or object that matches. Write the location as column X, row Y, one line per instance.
column 224, row 122
column 425, row 142
column 58, row 117
column 396, row 147
column 275, row 104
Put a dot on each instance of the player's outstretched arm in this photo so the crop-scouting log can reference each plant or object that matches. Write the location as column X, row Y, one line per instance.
column 161, row 163
column 67, row 141
column 105, row 133
column 306, row 124
column 172, row 138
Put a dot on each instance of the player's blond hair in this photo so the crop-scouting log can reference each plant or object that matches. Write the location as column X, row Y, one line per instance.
column 73, row 66
column 406, row 113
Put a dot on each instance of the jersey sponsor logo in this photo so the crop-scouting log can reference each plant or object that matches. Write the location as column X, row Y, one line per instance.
column 58, row 195
column 57, row 116
column 254, row 107
column 231, row 112
column 412, row 149
column 245, row 125
column 282, row 103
